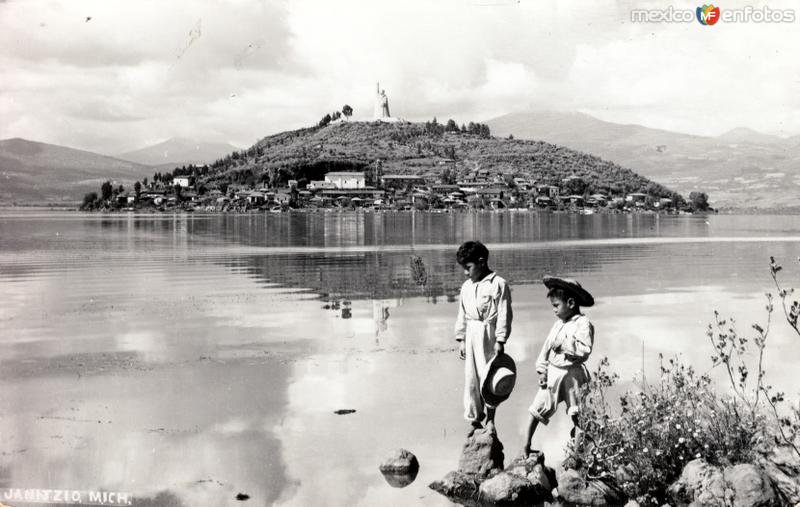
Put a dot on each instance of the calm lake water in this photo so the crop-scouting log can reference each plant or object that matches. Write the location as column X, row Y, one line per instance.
column 187, row 359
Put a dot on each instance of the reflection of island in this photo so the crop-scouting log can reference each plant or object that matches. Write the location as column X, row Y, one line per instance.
column 310, row 251
column 389, row 276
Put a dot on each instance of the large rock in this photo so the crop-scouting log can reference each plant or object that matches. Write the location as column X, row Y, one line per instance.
column 699, row 482
column 704, row 485
column 482, row 454
column 750, row 487
column 457, row 485
column 782, row 467
column 509, row 489
column 524, row 480
column 534, row 469
column 573, row 488
column 400, row 469
column 400, row 462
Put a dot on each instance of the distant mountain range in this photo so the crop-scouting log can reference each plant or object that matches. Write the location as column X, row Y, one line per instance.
column 178, row 151
column 33, row 172
column 739, row 169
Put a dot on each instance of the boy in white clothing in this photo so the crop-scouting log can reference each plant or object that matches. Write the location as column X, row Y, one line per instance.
column 561, row 362
column 482, row 327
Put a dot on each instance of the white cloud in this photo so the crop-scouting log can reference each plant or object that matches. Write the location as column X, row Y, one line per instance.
column 258, row 67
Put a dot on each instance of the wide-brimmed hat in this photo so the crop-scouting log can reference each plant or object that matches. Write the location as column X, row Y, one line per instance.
column 582, row 296
column 501, row 375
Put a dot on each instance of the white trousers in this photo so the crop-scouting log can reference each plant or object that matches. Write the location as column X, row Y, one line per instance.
column 479, row 343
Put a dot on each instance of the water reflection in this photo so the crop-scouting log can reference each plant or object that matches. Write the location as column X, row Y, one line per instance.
column 214, row 350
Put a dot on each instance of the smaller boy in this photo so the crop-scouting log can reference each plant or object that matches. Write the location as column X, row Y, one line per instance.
column 561, row 362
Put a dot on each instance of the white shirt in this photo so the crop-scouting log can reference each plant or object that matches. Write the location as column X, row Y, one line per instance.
column 485, row 306
column 573, row 339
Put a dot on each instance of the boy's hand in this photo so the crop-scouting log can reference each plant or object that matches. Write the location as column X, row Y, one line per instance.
column 543, row 382
column 499, row 348
column 462, row 350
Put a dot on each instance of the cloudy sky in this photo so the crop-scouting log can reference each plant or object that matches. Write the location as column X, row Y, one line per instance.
column 111, row 76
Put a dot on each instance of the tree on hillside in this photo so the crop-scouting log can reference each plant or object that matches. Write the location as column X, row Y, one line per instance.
column 576, row 186
column 449, row 176
column 325, row 120
column 89, row 200
column 699, row 201
column 106, row 190
column 347, row 111
column 137, row 187
column 451, row 126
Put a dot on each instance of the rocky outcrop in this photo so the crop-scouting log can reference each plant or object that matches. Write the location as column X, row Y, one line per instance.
column 782, row 467
column 704, row 485
column 481, row 479
column 400, row 461
column 457, row 485
column 400, row 469
column 481, row 457
column 573, row 488
column 482, row 454
column 523, row 481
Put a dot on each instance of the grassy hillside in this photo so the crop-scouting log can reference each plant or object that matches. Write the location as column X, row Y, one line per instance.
column 411, row 148
column 40, row 172
column 740, row 169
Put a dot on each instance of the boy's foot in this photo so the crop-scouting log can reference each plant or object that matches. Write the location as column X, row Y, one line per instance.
column 490, row 428
column 526, row 451
column 474, row 425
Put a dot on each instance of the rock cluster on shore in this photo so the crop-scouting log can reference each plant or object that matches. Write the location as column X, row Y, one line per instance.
column 482, row 480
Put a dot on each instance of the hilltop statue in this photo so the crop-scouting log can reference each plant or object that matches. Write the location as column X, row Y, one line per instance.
column 381, row 104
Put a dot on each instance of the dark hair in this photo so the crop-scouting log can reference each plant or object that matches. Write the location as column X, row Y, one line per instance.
column 472, row 251
column 563, row 295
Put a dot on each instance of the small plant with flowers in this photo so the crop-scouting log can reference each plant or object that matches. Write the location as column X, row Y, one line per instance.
column 641, row 441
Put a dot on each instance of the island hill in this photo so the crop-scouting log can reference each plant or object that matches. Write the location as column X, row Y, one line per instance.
column 398, row 165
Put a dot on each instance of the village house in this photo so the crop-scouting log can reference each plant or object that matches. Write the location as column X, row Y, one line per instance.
column 350, row 193
column 256, row 198
column 637, row 199
column 551, row 191
column 663, row 203
column 524, row 184
column 320, row 185
column 346, row 179
column 492, row 192
column 575, row 200
column 182, row 181
column 442, row 189
column 402, row 181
